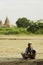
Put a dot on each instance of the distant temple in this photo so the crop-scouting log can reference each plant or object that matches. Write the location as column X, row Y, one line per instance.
column 6, row 23
column 1, row 24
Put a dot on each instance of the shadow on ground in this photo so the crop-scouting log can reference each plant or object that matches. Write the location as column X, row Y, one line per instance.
column 20, row 61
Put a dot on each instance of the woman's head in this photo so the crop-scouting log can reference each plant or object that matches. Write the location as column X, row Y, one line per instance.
column 29, row 45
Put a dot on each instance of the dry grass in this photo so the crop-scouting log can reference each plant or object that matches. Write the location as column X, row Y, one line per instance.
column 13, row 48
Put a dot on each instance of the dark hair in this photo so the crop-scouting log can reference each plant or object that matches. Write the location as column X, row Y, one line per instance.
column 29, row 44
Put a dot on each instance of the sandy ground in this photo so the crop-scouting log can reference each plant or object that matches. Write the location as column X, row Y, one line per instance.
column 13, row 48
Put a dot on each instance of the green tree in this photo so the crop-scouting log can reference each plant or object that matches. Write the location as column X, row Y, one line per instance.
column 33, row 28
column 40, row 23
column 22, row 22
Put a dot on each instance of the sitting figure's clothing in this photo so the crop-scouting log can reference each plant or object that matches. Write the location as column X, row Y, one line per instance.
column 28, row 50
column 29, row 53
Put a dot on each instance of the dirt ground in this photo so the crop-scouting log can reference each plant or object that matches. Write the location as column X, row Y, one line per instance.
column 13, row 48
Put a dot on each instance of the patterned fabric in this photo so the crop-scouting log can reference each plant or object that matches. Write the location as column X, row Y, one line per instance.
column 28, row 50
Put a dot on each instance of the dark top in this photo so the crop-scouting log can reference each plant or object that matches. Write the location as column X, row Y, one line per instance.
column 28, row 50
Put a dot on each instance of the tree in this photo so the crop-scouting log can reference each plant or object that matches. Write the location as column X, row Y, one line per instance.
column 22, row 22
column 40, row 23
column 33, row 28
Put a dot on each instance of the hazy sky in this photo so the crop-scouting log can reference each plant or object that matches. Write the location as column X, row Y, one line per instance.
column 32, row 9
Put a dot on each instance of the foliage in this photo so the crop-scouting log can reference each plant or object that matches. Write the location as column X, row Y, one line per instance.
column 13, row 30
column 24, row 26
column 33, row 28
column 22, row 22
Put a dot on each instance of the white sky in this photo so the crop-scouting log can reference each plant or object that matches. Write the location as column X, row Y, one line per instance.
column 32, row 9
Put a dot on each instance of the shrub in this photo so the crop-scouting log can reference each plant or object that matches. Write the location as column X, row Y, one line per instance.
column 22, row 22
column 32, row 28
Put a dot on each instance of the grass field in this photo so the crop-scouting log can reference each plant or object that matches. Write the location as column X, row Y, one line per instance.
column 13, row 48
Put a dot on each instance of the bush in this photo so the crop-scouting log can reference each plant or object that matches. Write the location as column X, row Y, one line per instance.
column 33, row 28
column 22, row 22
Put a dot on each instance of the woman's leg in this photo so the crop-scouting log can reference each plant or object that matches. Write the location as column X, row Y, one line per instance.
column 32, row 56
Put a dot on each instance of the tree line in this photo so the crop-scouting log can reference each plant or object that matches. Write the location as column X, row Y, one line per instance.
column 23, row 26
column 32, row 27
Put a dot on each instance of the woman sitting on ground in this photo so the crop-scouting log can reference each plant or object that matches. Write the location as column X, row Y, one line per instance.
column 29, row 52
